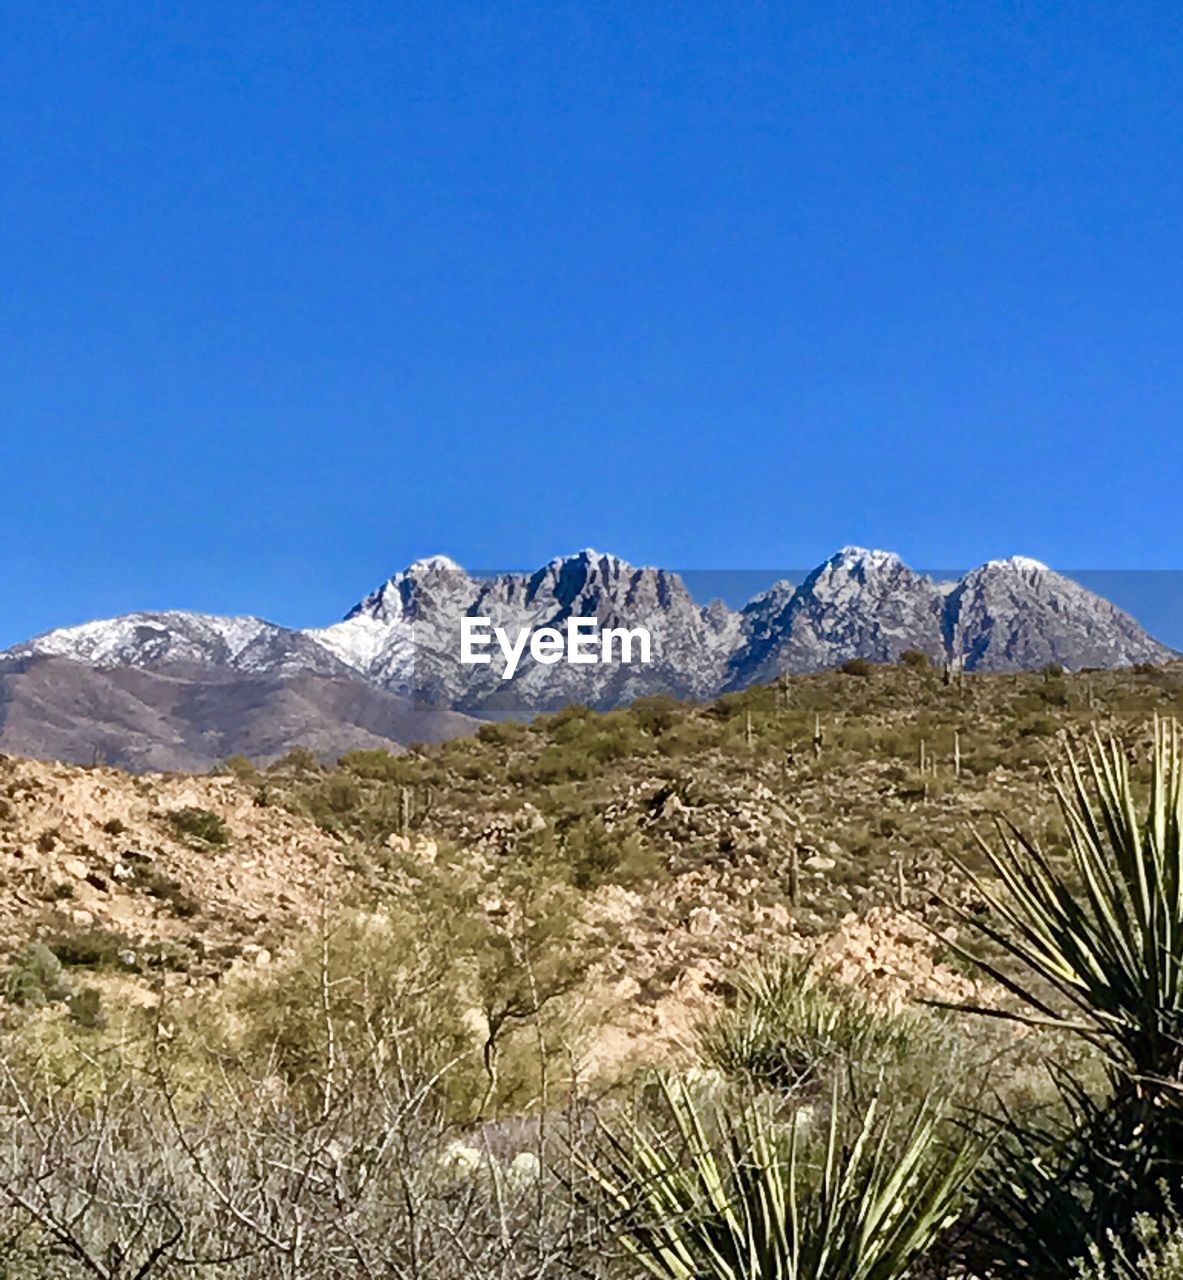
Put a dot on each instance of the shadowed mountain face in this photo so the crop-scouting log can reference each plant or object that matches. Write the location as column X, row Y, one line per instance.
column 187, row 717
column 180, row 689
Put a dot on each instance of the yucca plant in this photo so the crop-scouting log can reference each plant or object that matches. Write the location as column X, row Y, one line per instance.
column 1105, row 933
column 1098, row 935
column 790, row 1026
column 738, row 1193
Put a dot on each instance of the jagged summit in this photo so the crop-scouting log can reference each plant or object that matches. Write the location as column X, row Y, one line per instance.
column 593, row 560
column 1019, row 564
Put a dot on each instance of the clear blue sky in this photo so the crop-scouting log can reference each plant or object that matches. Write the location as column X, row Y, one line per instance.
column 292, row 294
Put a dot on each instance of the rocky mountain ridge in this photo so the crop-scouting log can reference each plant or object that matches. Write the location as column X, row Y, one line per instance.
column 1005, row 614
column 401, row 641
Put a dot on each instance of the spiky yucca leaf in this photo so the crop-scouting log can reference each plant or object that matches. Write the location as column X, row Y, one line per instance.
column 790, row 1026
column 738, row 1194
column 1107, row 934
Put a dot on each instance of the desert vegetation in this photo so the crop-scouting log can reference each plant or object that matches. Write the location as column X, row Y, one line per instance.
column 831, row 979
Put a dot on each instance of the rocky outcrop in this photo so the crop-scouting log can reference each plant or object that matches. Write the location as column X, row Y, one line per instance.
column 858, row 604
column 1017, row 614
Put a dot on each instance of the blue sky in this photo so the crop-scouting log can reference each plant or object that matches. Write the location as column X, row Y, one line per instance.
column 292, row 294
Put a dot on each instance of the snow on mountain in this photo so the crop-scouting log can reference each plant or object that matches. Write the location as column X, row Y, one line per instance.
column 403, row 637
column 1015, row 614
column 175, row 637
column 381, row 636
column 1018, row 564
column 690, row 642
column 858, row 603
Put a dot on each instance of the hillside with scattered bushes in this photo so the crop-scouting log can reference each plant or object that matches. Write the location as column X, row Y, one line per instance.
column 751, row 988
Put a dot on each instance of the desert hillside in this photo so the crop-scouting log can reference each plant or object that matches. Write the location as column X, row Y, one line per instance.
column 448, row 969
column 689, row 836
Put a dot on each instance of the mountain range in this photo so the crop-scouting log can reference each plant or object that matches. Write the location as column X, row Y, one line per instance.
column 182, row 690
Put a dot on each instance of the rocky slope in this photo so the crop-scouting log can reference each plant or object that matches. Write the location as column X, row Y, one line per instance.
column 186, row 716
column 173, row 881
column 858, row 604
column 707, row 835
column 97, row 849
column 1017, row 614
column 402, row 642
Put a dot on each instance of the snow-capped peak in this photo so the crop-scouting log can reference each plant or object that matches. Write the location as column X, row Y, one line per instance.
column 154, row 640
column 852, row 557
column 592, row 556
column 861, row 602
column 434, row 564
column 105, row 640
column 1020, row 564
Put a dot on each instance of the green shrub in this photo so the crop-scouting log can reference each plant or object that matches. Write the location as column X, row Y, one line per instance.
column 297, row 760
column 240, row 767
column 199, row 824
column 597, row 855
column 1156, row 1253
column 740, row 1192
column 503, row 733
column 562, row 764
column 380, row 766
column 93, row 948
column 857, row 667
column 397, row 983
column 657, row 714
column 86, row 1009
column 1098, row 941
column 167, row 889
column 34, row 977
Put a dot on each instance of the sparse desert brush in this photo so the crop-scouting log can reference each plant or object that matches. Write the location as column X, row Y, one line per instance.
column 202, row 825
column 459, row 979
column 1154, row 1251
column 372, row 982
column 791, row 1028
column 180, row 1158
column 505, row 733
column 378, row 766
column 90, row 947
column 34, row 977
column 298, row 760
column 240, row 767
column 167, row 888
